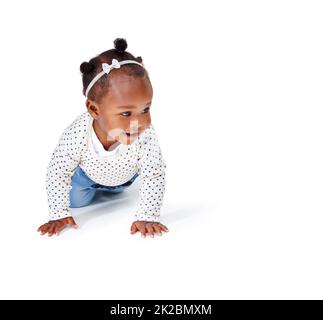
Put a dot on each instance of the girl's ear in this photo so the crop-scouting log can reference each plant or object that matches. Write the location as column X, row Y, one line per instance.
column 92, row 108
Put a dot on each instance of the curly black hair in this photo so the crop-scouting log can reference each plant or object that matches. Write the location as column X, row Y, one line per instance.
column 90, row 69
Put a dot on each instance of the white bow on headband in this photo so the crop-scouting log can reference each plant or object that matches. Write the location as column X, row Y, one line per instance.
column 106, row 68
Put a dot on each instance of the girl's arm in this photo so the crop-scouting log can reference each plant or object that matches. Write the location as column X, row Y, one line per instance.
column 64, row 160
column 152, row 177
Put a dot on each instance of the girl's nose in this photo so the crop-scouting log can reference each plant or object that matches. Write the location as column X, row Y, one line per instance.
column 135, row 125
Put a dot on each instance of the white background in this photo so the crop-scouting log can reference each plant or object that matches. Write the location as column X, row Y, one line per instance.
column 238, row 111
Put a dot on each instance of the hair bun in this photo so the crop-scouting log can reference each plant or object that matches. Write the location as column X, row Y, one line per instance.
column 86, row 67
column 120, row 44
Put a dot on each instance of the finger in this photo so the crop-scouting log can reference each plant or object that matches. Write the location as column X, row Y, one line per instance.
column 59, row 228
column 56, row 227
column 70, row 221
column 142, row 229
column 41, row 227
column 164, row 228
column 51, row 229
column 133, row 228
column 157, row 229
column 150, row 229
column 44, row 228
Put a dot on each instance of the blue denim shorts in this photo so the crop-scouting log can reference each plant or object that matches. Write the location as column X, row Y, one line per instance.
column 84, row 189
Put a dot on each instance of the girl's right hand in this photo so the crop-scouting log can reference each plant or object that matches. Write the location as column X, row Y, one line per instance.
column 56, row 226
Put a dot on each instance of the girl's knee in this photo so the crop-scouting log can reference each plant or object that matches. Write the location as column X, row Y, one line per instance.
column 81, row 198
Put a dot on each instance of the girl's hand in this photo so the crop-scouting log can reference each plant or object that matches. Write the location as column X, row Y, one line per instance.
column 56, row 226
column 147, row 227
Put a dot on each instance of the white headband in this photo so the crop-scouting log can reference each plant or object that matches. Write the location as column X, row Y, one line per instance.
column 106, row 68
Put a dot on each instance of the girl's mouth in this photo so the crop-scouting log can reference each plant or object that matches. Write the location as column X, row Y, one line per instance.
column 132, row 134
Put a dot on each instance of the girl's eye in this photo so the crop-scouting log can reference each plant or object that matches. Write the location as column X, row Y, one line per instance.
column 126, row 114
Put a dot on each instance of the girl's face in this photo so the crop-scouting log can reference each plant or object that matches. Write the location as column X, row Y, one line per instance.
column 124, row 112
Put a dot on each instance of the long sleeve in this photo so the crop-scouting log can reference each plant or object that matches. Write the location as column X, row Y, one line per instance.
column 63, row 163
column 152, row 177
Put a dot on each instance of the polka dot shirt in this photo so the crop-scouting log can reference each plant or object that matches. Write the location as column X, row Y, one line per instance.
column 75, row 147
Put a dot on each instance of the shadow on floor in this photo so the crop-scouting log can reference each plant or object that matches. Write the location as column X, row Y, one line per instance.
column 105, row 203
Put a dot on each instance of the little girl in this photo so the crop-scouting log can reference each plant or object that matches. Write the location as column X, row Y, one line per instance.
column 109, row 146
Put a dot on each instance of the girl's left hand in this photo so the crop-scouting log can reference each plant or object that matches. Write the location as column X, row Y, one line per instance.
column 147, row 227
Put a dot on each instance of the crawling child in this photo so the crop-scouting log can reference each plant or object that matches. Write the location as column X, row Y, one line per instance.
column 109, row 146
